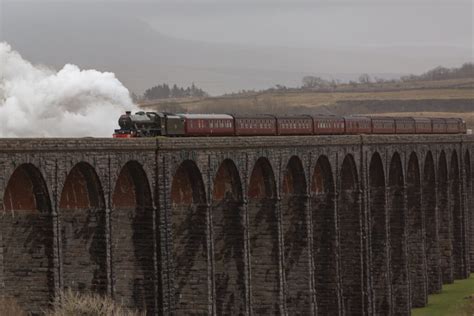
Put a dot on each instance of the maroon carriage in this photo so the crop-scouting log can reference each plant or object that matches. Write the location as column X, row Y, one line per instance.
column 439, row 125
column 254, row 125
column 294, row 125
column 383, row 125
column 208, row 124
column 423, row 125
column 404, row 125
column 454, row 125
column 328, row 125
column 358, row 125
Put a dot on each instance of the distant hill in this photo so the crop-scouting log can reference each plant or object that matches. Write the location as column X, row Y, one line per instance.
column 426, row 98
column 91, row 36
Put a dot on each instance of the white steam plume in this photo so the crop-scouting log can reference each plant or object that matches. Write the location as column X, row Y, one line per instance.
column 39, row 102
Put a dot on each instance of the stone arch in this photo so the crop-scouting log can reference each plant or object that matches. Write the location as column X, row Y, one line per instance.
column 189, row 231
column 264, row 239
column 429, row 207
column 228, row 240
column 83, row 231
column 28, row 239
column 416, row 235
column 469, row 206
column 397, row 236
column 295, row 237
column 458, row 241
column 324, row 252
column 445, row 221
column 132, row 230
column 350, row 238
column 379, row 236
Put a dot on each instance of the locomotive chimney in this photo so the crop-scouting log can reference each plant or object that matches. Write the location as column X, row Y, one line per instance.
column 128, row 112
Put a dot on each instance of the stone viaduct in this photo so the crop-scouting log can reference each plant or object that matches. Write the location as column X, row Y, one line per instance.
column 327, row 225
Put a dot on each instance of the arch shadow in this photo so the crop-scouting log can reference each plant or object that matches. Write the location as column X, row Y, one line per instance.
column 350, row 239
column 295, row 237
column 397, row 209
column 132, row 229
column 83, row 231
column 430, row 210
column 264, row 239
column 324, row 238
column 228, row 240
column 28, row 239
column 189, row 231
column 416, row 234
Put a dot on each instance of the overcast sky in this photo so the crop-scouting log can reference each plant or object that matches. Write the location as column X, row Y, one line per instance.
column 353, row 23
column 423, row 33
column 339, row 24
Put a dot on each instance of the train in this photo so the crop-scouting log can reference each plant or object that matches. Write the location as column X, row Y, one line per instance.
column 152, row 124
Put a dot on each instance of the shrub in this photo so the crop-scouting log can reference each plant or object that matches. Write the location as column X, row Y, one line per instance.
column 73, row 303
column 10, row 307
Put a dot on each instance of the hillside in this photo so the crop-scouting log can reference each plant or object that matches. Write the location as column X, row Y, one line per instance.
column 118, row 38
column 441, row 98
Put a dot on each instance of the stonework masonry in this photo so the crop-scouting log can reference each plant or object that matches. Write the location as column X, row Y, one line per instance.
column 328, row 225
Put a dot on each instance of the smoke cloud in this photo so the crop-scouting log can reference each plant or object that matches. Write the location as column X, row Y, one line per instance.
column 39, row 102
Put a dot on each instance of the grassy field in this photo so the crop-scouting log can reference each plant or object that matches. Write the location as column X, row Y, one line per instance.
column 315, row 99
column 467, row 116
column 456, row 299
column 446, row 98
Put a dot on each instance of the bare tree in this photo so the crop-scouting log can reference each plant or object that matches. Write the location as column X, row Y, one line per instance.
column 364, row 78
column 311, row 82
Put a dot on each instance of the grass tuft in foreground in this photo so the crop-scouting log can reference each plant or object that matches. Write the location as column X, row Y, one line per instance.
column 455, row 299
column 73, row 303
column 10, row 307
column 70, row 303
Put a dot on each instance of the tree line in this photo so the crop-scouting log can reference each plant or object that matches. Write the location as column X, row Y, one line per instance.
column 164, row 91
column 438, row 73
column 443, row 73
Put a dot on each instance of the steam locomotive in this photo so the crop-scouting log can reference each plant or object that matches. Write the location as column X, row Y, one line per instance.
column 150, row 124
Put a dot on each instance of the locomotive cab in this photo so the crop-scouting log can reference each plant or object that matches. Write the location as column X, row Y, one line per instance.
column 140, row 124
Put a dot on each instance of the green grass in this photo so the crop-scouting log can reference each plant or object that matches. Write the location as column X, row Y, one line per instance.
column 451, row 301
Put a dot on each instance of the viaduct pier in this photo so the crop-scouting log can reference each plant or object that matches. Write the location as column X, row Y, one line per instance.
column 327, row 225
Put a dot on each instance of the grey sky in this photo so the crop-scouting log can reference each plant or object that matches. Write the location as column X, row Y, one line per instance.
column 314, row 23
column 341, row 24
column 351, row 36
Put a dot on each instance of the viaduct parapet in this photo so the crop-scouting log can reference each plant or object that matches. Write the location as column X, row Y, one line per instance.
column 328, row 225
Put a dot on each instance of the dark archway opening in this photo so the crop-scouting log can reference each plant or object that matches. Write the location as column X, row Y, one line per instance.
column 397, row 232
column 323, row 219
column 83, row 229
column 228, row 241
column 445, row 222
column 264, row 240
column 458, row 241
column 295, row 238
column 189, row 240
column 429, row 207
column 27, row 233
column 416, row 235
column 469, row 207
column 350, row 236
column 132, row 229
column 379, row 236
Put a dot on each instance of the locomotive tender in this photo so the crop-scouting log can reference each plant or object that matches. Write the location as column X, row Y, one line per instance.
column 150, row 124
